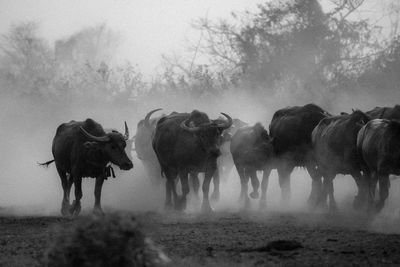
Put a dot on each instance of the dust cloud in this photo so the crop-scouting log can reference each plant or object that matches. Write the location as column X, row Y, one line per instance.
column 28, row 127
column 27, row 135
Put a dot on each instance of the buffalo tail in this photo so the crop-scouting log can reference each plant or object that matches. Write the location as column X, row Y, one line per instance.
column 46, row 164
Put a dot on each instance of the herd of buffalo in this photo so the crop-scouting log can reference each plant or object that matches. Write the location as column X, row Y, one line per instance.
column 365, row 145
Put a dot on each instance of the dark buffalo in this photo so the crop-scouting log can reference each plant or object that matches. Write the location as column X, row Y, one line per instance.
column 378, row 143
column 83, row 149
column 224, row 161
column 387, row 113
column 334, row 141
column 144, row 148
column 145, row 152
column 184, row 143
column 291, row 130
column 252, row 151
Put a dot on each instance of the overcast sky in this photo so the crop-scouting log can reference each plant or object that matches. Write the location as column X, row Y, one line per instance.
column 149, row 27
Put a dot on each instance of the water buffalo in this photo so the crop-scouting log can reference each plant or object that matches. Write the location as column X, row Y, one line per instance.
column 83, row 149
column 144, row 148
column 224, row 161
column 145, row 152
column 291, row 130
column 387, row 113
column 184, row 143
column 252, row 151
column 334, row 140
column 378, row 143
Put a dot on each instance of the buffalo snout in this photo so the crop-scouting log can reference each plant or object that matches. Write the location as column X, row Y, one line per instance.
column 127, row 165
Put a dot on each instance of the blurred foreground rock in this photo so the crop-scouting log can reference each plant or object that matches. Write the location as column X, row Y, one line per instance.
column 114, row 240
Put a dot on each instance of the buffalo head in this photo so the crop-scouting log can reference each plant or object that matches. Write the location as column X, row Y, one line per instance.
column 111, row 146
column 208, row 131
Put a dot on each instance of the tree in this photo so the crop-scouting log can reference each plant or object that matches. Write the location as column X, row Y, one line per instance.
column 93, row 45
column 27, row 65
column 289, row 45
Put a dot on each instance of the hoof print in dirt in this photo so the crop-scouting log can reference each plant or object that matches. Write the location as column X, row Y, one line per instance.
column 278, row 245
column 210, row 252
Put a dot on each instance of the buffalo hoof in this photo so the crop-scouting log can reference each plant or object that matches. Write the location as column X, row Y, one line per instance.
column 254, row 195
column 65, row 209
column 333, row 207
column 379, row 206
column 312, row 202
column 97, row 211
column 168, row 205
column 357, row 203
column 246, row 204
column 215, row 196
column 75, row 208
column 180, row 204
column 206, row 208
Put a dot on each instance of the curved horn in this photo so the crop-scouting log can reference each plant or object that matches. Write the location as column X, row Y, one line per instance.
column 102, row 139
column 226, row 125
column 126, row 135
column 146, row 119
column 187, row 128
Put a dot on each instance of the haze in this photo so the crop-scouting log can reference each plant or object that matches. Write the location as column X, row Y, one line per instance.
column 148, row 29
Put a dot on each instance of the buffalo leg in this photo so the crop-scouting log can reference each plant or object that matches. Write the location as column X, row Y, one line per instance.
column 65, row 206
column 170, row 188
column 216, row 181
column 97, row 195
column 384, row 185
column 244, row 187
column 243, row 182
column 327, row 190
column 194, row 179
column 76, row 204
column 284, row 181
column 371, row 190
column 316, row 183
column 168, row 195
column 264, row 186
column 206, row 188
column 181, row 203
column 332, row 201
column 362, row 186
column 254, row 182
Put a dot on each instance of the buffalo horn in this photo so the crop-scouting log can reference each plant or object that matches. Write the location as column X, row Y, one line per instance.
column 104, row 138
column 147, row 118
column 126, row 136
column 225, row 125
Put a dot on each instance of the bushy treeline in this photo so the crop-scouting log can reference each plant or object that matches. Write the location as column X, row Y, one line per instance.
column 288, row 49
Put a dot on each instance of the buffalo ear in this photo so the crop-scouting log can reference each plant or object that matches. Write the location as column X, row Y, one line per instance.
column 91, row 145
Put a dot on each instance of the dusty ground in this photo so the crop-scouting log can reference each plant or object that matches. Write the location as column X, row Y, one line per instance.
column 228, row 239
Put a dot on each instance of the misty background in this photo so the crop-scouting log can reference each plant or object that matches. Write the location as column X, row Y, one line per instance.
column 120, row 59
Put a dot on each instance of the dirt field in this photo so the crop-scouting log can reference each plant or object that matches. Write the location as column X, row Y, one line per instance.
column 228, row 239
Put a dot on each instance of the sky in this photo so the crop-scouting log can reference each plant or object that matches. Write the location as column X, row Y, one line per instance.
column 149, row 28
